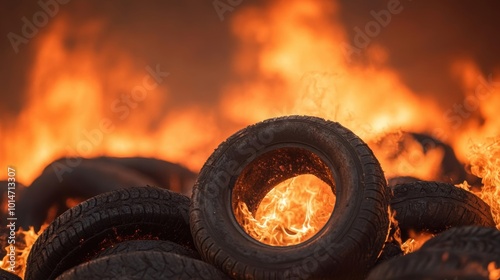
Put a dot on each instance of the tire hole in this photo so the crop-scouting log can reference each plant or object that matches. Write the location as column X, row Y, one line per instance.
column 292, row 204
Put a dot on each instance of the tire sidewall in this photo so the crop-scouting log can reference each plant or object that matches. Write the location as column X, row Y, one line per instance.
column 213, row 192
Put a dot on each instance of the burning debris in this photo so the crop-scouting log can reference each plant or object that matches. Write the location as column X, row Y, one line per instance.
column 289, row 147
column 84, row 80
column 288, row 197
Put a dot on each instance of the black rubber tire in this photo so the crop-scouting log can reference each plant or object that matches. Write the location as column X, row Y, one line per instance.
column 56, row 184
column 469, row 238
column 143, row 266
column 434, row 207
column 392, row 182
column 147, row 245
column 264, row 154
column 391, row 250
column 82, row 231
column 434, row 264
column 7, row 275
column 166, row 174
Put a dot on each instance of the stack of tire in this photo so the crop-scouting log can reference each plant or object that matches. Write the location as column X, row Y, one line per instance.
column 132, row 233
column 469, row 252
column 466, row 244
column 77, row 179
column 154, row 233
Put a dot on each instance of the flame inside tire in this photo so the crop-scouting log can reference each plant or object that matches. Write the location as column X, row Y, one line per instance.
column 250, row 172
column 291, row 213
column 289, row 202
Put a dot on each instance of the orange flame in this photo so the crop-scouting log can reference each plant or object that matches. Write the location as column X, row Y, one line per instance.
column 288, row 60
column 494, row 271
column 292, row 212
column 485, row 163
column 86, row 103
column 293, row 52
column 415, row 241
column 24, row 241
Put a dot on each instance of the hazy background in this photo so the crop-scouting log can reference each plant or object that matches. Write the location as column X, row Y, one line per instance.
column 190, row 41
column 189, row 38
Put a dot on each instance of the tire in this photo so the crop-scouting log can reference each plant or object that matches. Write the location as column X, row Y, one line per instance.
column 451, row 170
column 391, row 250
column 6, row 275
column 253, row 161
column 470, row 238
column 166, row 174
column 392, row 182
column 82, row 231
column 148, row 245
column 435, row 264
column 143, row 266
column 434, row 207
column 60, row 181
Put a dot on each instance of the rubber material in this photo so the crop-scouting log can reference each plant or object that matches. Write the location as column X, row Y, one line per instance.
column 434, row 264
column 7, row 275
column 391, row 250
column 434, row 207
column 149, row 246
column 82, row 231
column 143, row 266
column 258, row 157
column 61, row 181
column 166, row 174
column 469, row 238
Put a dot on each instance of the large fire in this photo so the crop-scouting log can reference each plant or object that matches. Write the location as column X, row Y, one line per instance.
column 289, row 59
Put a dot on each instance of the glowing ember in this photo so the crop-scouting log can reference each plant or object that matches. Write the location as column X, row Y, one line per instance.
column 494, row 271
column 24, row 240
column 292, row 212
column 415, row 242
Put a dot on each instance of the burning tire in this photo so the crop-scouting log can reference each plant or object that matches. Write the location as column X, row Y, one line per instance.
column 149, row 246
column 79, row 233
column 470, row 238
column 167, row 175
column 391, row 250
column 87, row 179
column 434, row 207
column 392, row 182
column 457, row 252
column 143, row 265
column 435, row 264
column 5, row 275
column 252, row 162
